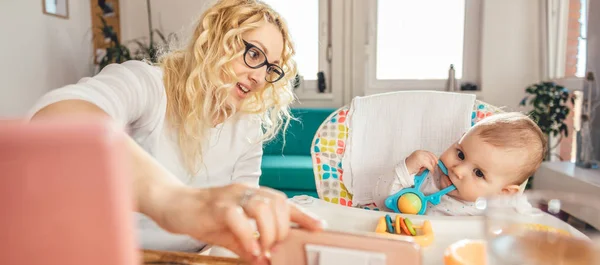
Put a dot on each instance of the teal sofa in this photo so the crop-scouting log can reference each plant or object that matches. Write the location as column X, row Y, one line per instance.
column 288, row 167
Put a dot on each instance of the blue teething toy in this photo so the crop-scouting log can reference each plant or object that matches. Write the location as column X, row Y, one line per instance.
column 390, row 224
column 412, row 200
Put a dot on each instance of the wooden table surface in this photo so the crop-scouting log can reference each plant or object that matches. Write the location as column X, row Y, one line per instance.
column 178, row 258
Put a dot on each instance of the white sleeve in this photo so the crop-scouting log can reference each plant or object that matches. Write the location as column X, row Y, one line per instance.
column 392, row 182
column 130, row 92
column 247, row 168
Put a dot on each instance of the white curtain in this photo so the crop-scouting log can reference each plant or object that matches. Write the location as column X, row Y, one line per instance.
column 554, row 25
column 554, row 35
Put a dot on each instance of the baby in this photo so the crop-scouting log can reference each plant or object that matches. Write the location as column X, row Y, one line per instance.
column 493, row 157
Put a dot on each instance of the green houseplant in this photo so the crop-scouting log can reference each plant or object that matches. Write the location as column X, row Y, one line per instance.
column 550, row 109
column 151, row 50
column 116, row 52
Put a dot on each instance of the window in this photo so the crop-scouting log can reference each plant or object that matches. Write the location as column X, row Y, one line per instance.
column 413, row 43
column 566, row 38
column 575, row 66
column 576, row 39
column 308, row 23
column 416, row 41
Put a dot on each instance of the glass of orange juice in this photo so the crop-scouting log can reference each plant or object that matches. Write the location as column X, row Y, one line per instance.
column 532, row 229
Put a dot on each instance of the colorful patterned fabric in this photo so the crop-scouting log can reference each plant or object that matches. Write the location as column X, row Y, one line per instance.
column 328, row 150
column 482, row 110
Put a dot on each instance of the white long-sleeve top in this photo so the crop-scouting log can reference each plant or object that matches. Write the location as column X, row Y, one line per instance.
column 133, row 94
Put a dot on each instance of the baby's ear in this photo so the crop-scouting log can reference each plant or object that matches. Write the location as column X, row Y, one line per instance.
column 510, row 189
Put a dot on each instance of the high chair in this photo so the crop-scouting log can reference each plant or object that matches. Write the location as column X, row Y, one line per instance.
column 329, row 145
column 430, row 236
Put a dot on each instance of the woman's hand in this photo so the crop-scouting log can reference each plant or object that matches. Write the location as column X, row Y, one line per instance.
column 420, row 160
column 222, row 216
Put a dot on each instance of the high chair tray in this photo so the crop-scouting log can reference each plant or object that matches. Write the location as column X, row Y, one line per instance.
column 446, row 229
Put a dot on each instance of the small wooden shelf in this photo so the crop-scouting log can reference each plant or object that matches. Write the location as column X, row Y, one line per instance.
column 180, row 258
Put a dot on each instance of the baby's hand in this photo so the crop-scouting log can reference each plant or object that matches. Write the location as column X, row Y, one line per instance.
column 420, row 160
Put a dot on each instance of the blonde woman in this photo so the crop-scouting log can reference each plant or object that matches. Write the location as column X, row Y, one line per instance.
column 197, row 121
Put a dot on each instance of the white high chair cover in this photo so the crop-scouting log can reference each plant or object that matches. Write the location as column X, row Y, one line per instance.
column 385, row 128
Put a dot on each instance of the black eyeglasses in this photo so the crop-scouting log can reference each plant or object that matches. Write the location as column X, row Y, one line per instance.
column 255, row 58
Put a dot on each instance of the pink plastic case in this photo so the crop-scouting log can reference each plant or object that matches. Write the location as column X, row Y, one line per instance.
column 65, row 194
column 332, row 247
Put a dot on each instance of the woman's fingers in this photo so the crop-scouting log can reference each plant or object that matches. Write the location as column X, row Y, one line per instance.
column 273, row 214
column 281, row 209
column 259, row 207
column 230, row 242
column 304, row 219
column 240, row 226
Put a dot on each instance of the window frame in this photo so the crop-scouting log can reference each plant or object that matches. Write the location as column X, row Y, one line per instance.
column 471, row 54
column 309, row 88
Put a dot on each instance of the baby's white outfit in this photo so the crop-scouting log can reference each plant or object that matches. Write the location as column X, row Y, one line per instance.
column 394, row 181
column 398, row 179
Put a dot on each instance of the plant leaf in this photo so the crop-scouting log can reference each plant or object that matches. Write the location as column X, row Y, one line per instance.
column 523, row 101
column 161, row 36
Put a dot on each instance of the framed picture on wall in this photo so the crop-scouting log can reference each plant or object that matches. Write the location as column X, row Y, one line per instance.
column 58, row 8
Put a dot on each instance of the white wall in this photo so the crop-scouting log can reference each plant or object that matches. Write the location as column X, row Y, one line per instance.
column 40, row 52
column 174, row 16
column 510, row 50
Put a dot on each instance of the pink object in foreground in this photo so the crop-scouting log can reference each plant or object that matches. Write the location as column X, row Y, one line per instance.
column 65, row 194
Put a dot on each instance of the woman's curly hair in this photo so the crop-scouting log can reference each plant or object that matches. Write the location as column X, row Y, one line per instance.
column 198, row 77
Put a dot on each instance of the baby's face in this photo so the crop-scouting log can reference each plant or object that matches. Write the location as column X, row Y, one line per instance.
column 478, row 169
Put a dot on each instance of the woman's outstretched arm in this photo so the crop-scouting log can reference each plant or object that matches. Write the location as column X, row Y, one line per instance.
column 219, row 216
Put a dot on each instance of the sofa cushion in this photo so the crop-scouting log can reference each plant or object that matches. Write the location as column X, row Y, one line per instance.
column 292, row 193
column 288, row 173
column 300, row 133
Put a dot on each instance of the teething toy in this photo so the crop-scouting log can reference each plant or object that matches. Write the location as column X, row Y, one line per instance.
column 390, row 225
column 412, row 200
column 421, row 234
column 397, row 223
column 409, row 227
